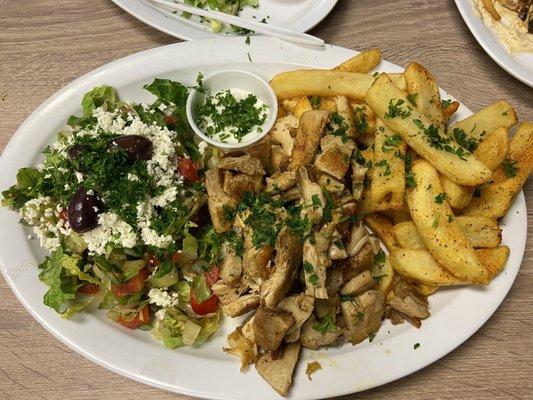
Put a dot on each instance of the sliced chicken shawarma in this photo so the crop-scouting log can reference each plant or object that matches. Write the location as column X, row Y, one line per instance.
column 235, row 185
column 312, row 197
column 313, row 338
column 283, row 132
column 246, row 164
column 310, row 129
column 270, row 327
column 241, row 305
column 363, row 315
column 218, row 201
column 231, row 267
column 286, row 263
column 300, row 308
column 278, row 371
column 335, row 156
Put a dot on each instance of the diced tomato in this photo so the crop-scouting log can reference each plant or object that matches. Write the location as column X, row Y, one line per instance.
column 63, row 215
column 89, row 288
column 206, row 307
column 133, row 286
column 170, row 119
column 142, row 318
column 188, row 169
column 176, row 257
column 212, row 276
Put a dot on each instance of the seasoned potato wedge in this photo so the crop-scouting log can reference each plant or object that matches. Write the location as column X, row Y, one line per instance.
column 364, row 62
column 480, row 232
column 487, row 120
column 494, row 147
column 319, row 82
column 496, row 198
column 392, row 107
column 383, row 228
column 438, row 227
column 422, row 267
column 458, row 196
column 424, row 92
column 387, row 186
column 450, row 109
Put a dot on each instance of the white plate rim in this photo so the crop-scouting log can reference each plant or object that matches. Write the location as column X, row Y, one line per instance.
column 489, row 42
column 336, row 54
column 180, row 29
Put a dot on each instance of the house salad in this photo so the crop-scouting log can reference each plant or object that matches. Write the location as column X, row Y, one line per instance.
column 119, row 203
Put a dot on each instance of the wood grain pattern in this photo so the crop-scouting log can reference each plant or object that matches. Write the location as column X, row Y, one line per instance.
column 45, row 44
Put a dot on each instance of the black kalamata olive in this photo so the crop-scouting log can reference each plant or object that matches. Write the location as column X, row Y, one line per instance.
column 75, row 152
column 137, row 147
column 83, row 211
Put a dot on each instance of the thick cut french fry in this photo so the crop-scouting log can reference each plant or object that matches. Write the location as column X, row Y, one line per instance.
column 424, row 93
column 397, row 216
column 422, row 267
column 451, row 109
column 438, row 227
column 418, row 264
column 494, row 147
column 392, row 107
column 480, row 232
column 496, row 198
column 319, row 82
column 458, row 196
column 427, row 290
column 387, row 186
column 302, row 105
column 383, row 228
column 487, row 120
column 364, row 62
column 494, row 259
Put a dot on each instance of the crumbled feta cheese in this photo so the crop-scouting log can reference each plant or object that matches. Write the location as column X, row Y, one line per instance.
column 162, row 298
column 111, row 230
column 90, row 192
column 79, row 176
column 132, row 177
column 160, row 314
column 202, row 146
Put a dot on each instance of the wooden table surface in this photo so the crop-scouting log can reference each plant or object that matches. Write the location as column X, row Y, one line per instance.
column 47, row 43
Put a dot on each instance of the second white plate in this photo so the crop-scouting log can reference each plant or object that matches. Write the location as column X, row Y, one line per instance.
column 298, row 15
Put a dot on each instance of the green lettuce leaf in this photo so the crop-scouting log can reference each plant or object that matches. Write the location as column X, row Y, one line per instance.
column 168, row 91
column 208, row 327
column 99, row 96
column 200, row 289
column 176, row 329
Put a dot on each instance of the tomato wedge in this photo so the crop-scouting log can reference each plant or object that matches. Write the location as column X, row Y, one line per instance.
column 89, row 288
column 142, row 318
column 133, row 286
column 188, row 169
column 212, row 276
column 170, row 119
column 206, row 307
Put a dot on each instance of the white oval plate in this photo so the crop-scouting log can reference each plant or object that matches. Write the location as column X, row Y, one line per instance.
column 520, row 66
column 206, row 371
column 299, row 15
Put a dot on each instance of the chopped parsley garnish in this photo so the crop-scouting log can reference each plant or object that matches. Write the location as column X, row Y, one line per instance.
column 249, row 56
column 361, row 123
column 509, row 167
column 412, row 98
column 360, row 316
column 315, row 101
column 316, row 200
column 385, row 164
column 325, row 324
column 410, row 179
column 346, row 298
column 436, row 140
column 338, row 126
column 416, row 346
column 224, row 115
column 380, row 258
column 468, row 143
column 396, row 109
column 262, row 219
column 450, row 218
column 235, row 241
column 439, row 199
column 371, row 337
column 446, row 103
column 313, row 279
column 390, row 142
column 436, row 221
column 308, row 267
column 247, row 40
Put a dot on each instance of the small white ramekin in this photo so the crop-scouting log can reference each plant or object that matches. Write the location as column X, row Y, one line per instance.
column 233, row 79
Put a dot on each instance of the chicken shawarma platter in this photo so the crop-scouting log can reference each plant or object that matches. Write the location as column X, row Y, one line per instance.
column 360, row 202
